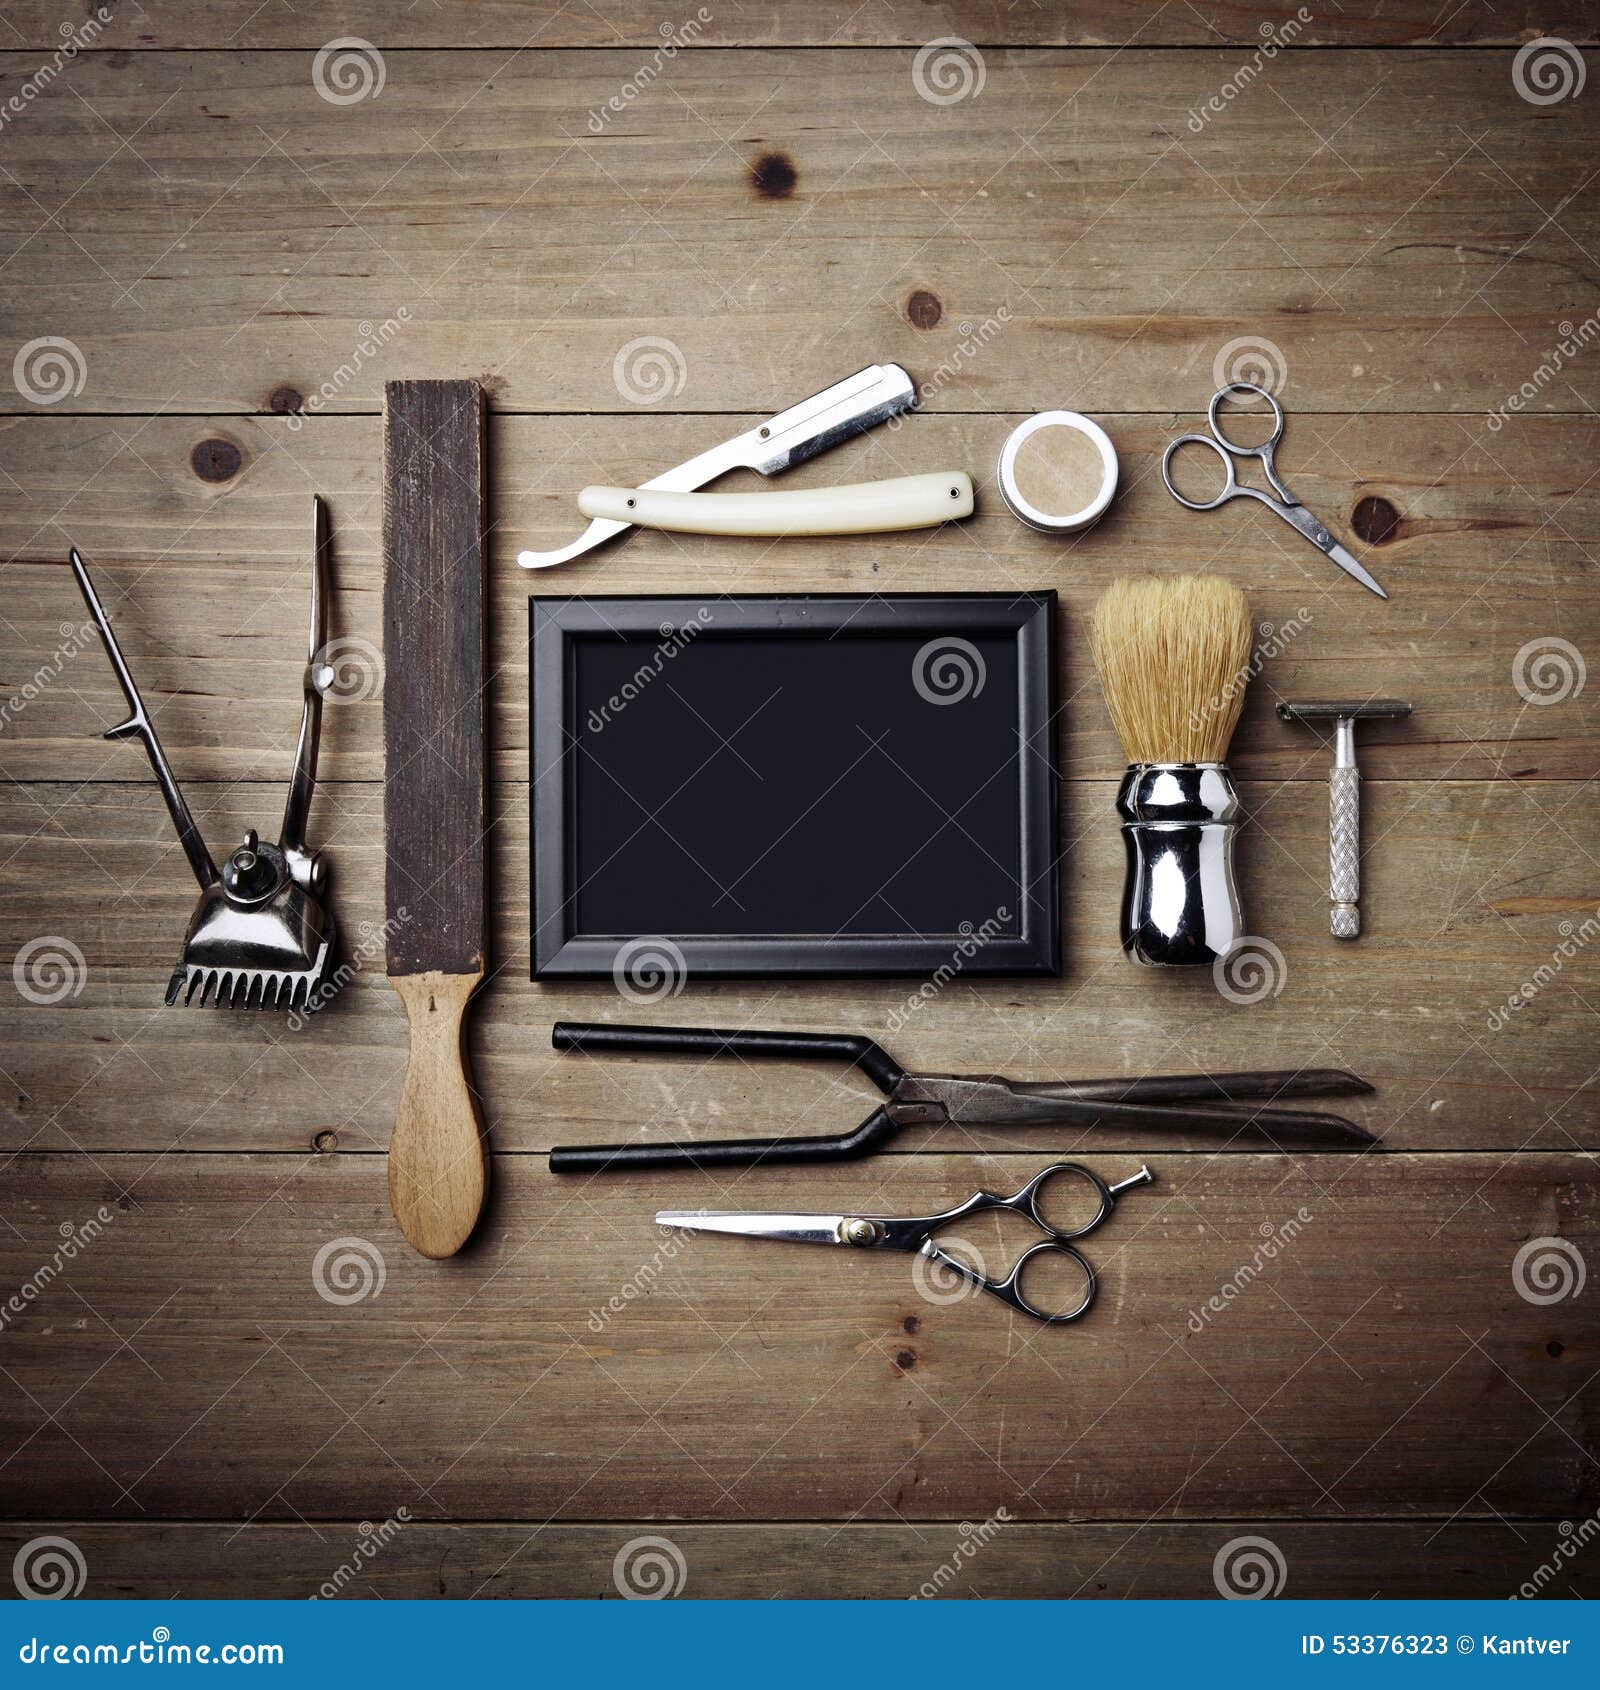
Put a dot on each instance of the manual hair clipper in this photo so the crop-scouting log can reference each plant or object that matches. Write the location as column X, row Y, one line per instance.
column 261, row 935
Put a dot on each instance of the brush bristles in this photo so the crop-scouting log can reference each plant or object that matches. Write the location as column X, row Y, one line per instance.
column 1174, row 658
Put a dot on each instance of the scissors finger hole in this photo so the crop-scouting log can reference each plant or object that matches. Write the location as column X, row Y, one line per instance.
column 1247, row 417
column 1067, row 1201
column 1201, row 477
column 1054, row 1282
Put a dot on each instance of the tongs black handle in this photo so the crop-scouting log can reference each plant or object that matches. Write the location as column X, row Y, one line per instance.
column 601, row 1039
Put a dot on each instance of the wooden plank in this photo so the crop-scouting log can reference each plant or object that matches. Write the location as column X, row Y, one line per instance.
column 579, row 1363
column 537, row 25
column 419, row 1560
column 1488, row 554
column 790, row 214
column 1475, row 895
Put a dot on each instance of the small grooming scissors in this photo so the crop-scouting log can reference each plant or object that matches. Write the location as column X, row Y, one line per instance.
column 1285, row 504
column 913, row 1235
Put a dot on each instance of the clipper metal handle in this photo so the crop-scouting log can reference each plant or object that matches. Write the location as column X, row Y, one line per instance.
column 1180, row 903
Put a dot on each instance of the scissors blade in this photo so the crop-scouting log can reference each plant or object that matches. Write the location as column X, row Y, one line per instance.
column 793, row 1229
column 1298, row 517
column 1352, row 566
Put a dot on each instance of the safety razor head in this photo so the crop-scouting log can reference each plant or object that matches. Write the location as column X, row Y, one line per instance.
column 1342, row 709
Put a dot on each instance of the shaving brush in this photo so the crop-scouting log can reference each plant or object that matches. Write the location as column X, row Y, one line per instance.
column 1174, row 655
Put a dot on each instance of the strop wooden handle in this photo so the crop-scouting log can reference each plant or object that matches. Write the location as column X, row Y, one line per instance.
column 438, row 1169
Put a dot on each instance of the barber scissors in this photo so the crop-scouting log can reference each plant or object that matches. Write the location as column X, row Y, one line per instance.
column 913, row 1235
column 1286, row 504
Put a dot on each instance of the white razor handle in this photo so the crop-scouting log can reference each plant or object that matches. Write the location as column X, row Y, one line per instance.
column 866, row 507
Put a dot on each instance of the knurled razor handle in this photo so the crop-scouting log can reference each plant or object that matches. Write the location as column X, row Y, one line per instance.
column 1344, row 852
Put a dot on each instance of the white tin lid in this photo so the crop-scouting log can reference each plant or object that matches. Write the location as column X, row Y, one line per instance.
column 1058, row 472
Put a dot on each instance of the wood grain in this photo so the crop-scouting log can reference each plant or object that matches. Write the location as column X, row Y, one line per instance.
column 1473, row 891
column 536, row 25
column 581, row 1363
column 1488, row 565
column 240, row 264
column 362, row 1560
column 261, row 246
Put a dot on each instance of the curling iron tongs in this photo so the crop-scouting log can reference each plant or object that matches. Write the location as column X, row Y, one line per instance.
column 1214, row 1103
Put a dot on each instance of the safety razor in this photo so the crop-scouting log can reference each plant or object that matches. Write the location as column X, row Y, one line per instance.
column 1344, row 799
column 261, row 935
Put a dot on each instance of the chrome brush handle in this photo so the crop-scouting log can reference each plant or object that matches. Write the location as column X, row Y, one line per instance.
column 1180, row 903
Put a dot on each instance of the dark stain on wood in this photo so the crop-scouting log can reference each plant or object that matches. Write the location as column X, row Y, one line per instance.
column 284, row 400
column 923, row 309
column 216, row 460
column 905, row 1360
column 910, row 1323
column 773, row 176
column 1375, row 521
column 1555, row 1349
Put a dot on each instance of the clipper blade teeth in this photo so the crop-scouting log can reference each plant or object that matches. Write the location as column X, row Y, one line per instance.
column 241, row 988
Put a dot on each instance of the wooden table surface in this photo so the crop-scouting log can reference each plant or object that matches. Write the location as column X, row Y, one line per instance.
column 221, row 1369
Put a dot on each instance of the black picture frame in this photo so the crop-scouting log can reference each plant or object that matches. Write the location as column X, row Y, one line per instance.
column 1023, row 622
